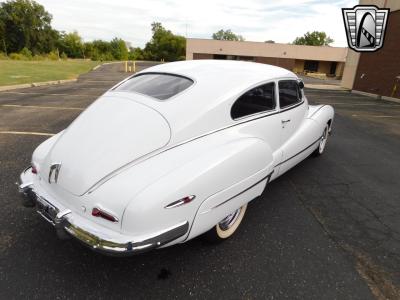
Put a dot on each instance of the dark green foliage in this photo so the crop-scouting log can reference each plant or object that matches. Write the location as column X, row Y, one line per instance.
column 315, row 38
column 26, row 33
column 136, row 53
column 164, row 45
column 118, row 49
column 25, row 23
column 227, row 35
column 71, row 44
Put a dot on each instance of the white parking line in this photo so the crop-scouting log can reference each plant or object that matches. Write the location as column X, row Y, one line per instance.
column 47, row 94
column 378, row 116
column 359, row 104
column 26, row 133
column 45, row 107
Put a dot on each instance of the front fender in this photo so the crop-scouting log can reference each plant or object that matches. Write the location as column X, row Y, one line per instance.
column 213, row 175
column 323, row 114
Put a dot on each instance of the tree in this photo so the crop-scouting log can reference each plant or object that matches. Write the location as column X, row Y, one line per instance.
column 269, row 42
column 25, row 23
column 136, row 53
column 71, row 44
column 315, row 38
column 227, row 35
column 119, row 49
column 164, row 45
column 99, row 50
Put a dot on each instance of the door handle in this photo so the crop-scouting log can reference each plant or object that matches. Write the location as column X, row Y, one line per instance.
column 285, row 121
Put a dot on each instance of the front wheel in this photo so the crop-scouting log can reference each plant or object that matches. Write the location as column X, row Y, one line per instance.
column 227, row 226
column 322, row 142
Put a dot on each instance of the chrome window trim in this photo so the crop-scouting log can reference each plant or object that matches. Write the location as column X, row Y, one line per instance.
column 301, row 100
column 257, row 113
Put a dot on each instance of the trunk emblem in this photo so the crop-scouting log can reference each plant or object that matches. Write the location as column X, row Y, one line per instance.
column 54, row 168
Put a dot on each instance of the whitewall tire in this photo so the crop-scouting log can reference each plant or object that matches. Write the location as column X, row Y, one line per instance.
column 322, row 142
column 227, row 226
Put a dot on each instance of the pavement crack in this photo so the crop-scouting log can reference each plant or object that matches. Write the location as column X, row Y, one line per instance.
column 376, row 278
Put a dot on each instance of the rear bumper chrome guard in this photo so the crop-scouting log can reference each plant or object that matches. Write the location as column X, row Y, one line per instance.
column 94, row 236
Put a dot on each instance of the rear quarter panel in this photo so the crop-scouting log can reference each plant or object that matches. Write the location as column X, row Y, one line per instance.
column 213, row 170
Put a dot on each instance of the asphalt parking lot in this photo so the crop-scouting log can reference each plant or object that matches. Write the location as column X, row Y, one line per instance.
column 328, row 229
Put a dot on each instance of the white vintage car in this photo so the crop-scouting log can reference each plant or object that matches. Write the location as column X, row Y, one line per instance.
column 173, row 152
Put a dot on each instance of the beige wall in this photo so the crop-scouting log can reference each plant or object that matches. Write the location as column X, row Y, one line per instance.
column 350, row 70
column 257, row 49
column 298, row 66
column 340, row 69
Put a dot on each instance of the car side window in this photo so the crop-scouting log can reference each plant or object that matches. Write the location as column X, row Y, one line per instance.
column 258, row 99
column 289, row 93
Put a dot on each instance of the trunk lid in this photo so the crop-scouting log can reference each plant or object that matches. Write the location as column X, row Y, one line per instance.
column 112, row 132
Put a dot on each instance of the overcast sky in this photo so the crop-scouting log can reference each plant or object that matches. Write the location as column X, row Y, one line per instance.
column 256, row 20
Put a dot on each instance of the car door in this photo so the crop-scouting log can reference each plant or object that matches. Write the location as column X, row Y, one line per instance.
column 293, row 109
column 257, row 112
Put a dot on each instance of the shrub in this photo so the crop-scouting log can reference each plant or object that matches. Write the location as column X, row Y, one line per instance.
column 64, row 56
column 53, row 55
column 17, row 56
column 3, row 56
column 26, row 52
column 38, row 57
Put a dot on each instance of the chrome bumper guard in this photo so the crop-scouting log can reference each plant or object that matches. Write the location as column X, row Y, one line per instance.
column 105, row 241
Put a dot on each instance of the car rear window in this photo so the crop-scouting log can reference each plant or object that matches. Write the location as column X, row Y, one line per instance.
column 156, row 85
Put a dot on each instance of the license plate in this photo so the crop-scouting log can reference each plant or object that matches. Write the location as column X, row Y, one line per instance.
column 46, row 210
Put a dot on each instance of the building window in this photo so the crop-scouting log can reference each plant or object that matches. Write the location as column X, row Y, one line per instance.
column 234, row 57
column 289, row 93
column 333, row 68
column 311, row 65
column 258, row 99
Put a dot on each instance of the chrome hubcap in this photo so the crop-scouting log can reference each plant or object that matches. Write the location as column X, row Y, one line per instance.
column 322, row 143
column 229, row 220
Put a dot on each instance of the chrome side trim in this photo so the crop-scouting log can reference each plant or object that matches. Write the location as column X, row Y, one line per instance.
column 298, row 153
column 268, row 177
column 317, row 110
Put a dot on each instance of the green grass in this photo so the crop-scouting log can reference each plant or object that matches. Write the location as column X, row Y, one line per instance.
column 19, row 72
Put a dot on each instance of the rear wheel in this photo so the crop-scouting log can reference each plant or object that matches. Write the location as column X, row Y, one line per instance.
column 227, row 226
column 322, row 142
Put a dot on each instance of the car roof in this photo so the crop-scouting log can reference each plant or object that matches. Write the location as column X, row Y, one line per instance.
column 205, row 106
column 236, row 71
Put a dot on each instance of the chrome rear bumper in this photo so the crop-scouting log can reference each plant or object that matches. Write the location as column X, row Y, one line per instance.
column 96, row 237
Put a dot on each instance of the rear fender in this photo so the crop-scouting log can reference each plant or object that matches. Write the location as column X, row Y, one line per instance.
column 219, row 205
column 212, row 176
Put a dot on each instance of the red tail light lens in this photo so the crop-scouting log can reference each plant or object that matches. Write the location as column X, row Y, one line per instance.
column 180, row 202
column 34, row 169
column 97, row 212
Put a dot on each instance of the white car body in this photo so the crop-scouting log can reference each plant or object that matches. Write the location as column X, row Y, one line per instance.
column 134, row 157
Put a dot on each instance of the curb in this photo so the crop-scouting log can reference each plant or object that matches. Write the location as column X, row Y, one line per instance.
column 326, row 87
column 34, row 84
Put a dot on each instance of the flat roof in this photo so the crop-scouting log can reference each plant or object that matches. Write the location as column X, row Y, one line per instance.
column 260, row 49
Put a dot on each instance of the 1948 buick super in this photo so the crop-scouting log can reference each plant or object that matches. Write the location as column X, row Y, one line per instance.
column 173, row 152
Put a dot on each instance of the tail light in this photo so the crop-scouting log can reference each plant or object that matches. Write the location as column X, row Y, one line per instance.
column 34, row 168
column 180, row 202
column 97, row 212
